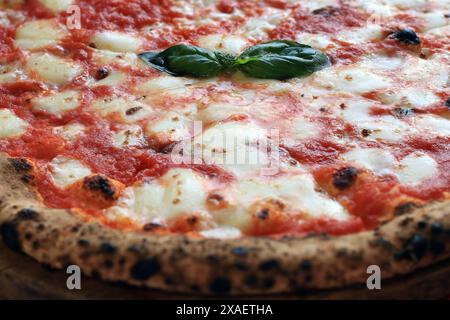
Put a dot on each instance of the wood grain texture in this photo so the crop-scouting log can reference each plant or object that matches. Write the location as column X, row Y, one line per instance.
column 23, row 278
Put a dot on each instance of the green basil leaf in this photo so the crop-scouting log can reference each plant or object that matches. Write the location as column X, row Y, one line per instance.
column 281, row 59
column 186, row 60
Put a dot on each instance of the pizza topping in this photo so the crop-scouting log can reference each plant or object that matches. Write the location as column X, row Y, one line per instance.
column 52, row 69
column 66, row 171
column 11, row 125
column 57, row 103
column 39, row 34
column 186, row 60
column 407, row 36
column 57, row 5
column 344, row 177
column 281, row 60
column 271, row 60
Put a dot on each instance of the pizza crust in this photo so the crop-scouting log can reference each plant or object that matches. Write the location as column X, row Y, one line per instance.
column 179, row 263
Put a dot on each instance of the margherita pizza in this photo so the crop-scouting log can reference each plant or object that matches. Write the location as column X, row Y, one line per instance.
column 222, row 146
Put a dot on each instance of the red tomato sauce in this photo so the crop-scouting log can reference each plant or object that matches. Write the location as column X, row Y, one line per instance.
column 328, row 20
column 124, row 15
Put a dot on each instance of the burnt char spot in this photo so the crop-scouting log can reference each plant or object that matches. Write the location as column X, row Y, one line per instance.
column 108, row 264
column 108, row 248
column 407, row 36
column 145, row 268
column 366, row 132
column 268, row 265
column 102, row 73
column 404, row 208
column 263, row 214
column 437, row 229
column 21, row 165
column 151, row 226
column 306, row 265
column 83, row 243
column 403, row 112
column 422, row 224
column 220, row 285
column 102, row 184
column 326, row 11
column 240, row 251
column 251, row 281
column 345, row 177
column 268, row 283
column 447, row 103
column 27, row 214
column 414, row 249
column 10, row 236
column 437, row 247
column 132, row 111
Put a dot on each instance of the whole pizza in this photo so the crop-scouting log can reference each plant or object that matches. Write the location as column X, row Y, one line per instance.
column 226, row 147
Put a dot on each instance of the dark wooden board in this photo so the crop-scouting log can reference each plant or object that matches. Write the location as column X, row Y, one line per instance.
column 23, row 278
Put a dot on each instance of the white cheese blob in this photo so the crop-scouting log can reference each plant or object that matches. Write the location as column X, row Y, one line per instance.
column 297, row 191
column 179, row 192
column 67, row 171
column 416, row 168
column 227, row 43
column 11, row 125
column 130, row 136
column 116, row 41
column 379, row 161
column 57, row 5
column 70, row 132
column 52, row 68
column 40, row 33
column 57, row 103
column 129, row 108
column 171, row 127
column 165, row 85
column 435, row 124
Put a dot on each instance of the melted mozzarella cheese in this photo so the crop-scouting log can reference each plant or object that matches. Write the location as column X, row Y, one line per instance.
column 353, row 79
column 238, row 146
column 39, row 33
column 432, row 72
column 434, row 124
column 301, row 128
column 411, row 170
column 52, row 68
column 130, row 136
column 416, row 168
column 57, row 103
column 297, row 191
column 70, row 132
column 220, row 111
column 227, row 43
column 115, row 78
column 129, row 108
column 179, row 192
column 171, row 127
column 318, row 41
column 165, row 85
column 383, row 128
column 116, row 41
column 123, row 59
column 67, row 171
column 222, row 233
column 11, row 125
column 379, row 161
column 410, row 97
column 57, row 5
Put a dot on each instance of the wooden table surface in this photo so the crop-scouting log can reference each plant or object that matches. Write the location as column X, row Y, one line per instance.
column 23, row 278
